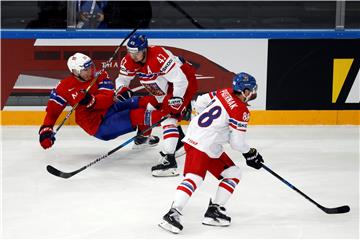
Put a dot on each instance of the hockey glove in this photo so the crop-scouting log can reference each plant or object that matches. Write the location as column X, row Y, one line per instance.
column 46, row 136
column 175, row 104
column 124, row 93
column 253, row 158
column 88, row 100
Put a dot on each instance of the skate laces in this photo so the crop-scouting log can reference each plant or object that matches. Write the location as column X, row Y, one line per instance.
column 163, row 160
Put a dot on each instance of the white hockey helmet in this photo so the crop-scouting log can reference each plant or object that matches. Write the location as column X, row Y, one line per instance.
column 78, row 62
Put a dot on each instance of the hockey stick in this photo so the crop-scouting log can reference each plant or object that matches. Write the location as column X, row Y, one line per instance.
column 93, row 81
column 337, row 210
column 62, row 174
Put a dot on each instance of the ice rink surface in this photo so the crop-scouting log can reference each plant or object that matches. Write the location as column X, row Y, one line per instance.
column 118, row 198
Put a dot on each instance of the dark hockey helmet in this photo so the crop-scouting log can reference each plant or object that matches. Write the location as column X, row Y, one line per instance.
column 137, row 43
column 243, row 81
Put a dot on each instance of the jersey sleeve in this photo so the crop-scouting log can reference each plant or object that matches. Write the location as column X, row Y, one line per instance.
column 105, row 92
column 238, row 121
column 55, row 106
column 202, row 101
column 237, row 141
column 171, row 70
column 126, row 73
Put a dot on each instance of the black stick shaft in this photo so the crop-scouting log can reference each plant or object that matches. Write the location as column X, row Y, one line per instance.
column 337, row 210
column 62, row 174
column 290, row 185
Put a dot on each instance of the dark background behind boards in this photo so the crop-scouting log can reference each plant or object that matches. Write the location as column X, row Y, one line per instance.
column 187, row 14
column 300, row 73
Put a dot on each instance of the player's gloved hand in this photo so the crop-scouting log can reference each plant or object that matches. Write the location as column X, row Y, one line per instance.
column 87, row 99
column 175, row 104
column 253, row 158
column 124, row 93
column 46, row 136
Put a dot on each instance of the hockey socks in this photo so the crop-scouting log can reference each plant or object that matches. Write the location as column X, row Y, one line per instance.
column 171, row 137
column 185, row 190
column 225, row 190
column 227, row 185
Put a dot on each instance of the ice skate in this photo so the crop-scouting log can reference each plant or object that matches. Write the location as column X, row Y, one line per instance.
column 171, row 221
column 143, row 142
column 180, row 151
column 167, row 166
column 216, row 216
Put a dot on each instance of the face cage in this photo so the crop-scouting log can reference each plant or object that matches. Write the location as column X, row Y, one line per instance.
column 248, row 98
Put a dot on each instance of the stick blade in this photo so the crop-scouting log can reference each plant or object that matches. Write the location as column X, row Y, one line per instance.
column 338, row 210
column 59, row 173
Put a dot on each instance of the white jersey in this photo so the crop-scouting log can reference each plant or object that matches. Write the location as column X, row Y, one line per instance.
column 202, row 101
column 160, row 70
column 224, row 120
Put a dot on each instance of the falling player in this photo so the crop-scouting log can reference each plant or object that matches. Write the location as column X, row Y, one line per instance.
column 171, row 82
column 224, row 120
column 98, row 112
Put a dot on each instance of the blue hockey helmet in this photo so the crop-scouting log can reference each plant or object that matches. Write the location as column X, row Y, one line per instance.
column 243, row 81
column 137, row 43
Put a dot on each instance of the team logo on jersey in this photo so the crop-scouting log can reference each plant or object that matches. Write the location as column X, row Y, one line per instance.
column 246, row 116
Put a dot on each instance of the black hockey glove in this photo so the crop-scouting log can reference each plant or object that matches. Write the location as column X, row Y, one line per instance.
column 253, row 158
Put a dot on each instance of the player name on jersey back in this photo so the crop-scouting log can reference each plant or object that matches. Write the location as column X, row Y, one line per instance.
column 228, row 98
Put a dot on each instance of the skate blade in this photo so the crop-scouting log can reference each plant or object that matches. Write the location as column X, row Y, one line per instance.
column 168, row 227
column 216, row 223
column 171, row 172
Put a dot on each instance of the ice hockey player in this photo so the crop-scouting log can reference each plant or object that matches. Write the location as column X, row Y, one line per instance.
column 171, row 82
column 224, row 120
column 98, row 112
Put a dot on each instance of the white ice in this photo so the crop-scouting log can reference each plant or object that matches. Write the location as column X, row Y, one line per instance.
column 118, row 198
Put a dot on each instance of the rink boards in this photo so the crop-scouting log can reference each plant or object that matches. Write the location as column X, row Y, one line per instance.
column 301, row 80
